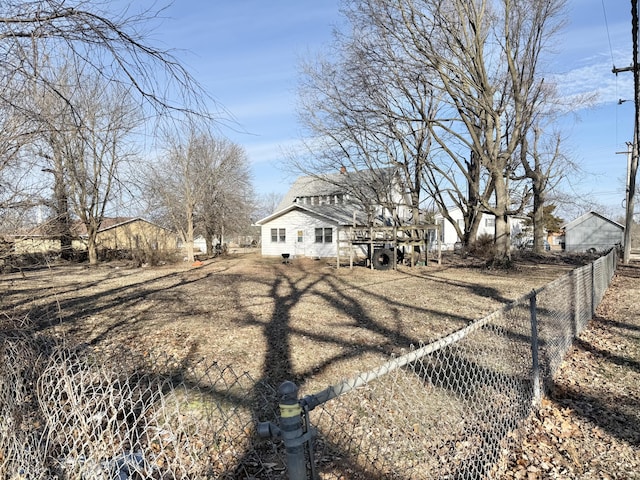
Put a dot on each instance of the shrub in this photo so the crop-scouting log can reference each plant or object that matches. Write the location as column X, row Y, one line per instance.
column 482, row 246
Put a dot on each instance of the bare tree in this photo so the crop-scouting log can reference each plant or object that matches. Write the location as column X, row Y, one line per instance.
column 545, row 165
column 367, row 110
column 84, row 142
column 113, row 45
column 267, row 204
column 100, row 43
column 201, row 183
column 480, row 59
column 228, row 198
column 16, row 131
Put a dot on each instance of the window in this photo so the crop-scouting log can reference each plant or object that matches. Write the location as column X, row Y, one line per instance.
column 324, row 235
column 328, row 235
column 490, row 222
column 300, row 236
column 278, row 235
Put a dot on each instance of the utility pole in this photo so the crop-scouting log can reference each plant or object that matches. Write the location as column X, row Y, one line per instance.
column 633, row 162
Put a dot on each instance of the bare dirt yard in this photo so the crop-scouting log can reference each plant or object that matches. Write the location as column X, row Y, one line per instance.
column 306, row 321
column 314, row 324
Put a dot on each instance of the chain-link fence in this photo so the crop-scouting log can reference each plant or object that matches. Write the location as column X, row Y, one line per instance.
column 447, row 410
column 64, row 414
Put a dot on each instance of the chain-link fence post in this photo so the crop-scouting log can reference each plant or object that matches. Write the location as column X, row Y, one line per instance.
column 535, row 373
column 575, row 303
column 593, row 288
column 292, row 434
column 290, row 430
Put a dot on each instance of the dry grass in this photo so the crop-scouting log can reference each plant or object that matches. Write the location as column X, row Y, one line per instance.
column 315, row 324
column 306, row 321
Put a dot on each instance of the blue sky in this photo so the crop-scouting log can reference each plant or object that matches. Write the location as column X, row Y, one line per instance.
column 246, row 54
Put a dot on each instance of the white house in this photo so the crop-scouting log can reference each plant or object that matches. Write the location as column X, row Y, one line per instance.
column 592, row 231
column 449, row 236
column 311, row 216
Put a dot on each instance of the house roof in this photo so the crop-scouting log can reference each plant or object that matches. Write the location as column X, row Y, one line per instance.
column 78, row 228
column 337, row 183
column 340, row 214
column 357, row 184
column 582, row 218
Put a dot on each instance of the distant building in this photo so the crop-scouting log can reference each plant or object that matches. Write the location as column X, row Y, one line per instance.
column 313, row 215
column 592, row 231
column 116, row 234
column 135, row 234
column 449, row 236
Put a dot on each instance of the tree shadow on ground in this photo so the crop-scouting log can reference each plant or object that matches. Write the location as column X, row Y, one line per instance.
column 287, row 290
column 464, row 376
column 616, row 414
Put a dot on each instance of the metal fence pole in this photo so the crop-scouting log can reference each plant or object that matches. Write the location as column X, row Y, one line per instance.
column 576, row 304
column 593, row 288
column 534, row 347
column 291, row 428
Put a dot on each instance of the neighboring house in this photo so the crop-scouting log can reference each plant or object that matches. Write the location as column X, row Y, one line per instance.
column 122, row 233
column 555, row 240
column 592, row 231
column 38, row 239
column 36, row 242
column 199, row 244
column 135, row 234
column 449, row 236
column 314, row 213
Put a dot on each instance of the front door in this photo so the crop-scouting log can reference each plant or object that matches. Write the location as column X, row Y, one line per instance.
column 300, row 250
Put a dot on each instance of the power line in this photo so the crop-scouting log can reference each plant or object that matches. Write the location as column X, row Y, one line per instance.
column 606, row 25
column 614, row 69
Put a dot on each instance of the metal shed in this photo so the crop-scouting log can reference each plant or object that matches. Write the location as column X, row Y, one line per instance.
column 592, row 231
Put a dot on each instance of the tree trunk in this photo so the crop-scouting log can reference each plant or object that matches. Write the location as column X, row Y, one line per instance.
column 189, row 237
column 209, row 242
column 538, row 218
column 63, row 223
column 92, row 247
column 502, row 254
column 473, row 217
column 471, row 232
column 503, row 239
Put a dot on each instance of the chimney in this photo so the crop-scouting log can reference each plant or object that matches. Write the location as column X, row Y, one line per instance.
column 343, row 170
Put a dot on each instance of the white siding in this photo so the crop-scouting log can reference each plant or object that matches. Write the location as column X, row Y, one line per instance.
column 487, row 227
column 292, row 222
column 592, row 231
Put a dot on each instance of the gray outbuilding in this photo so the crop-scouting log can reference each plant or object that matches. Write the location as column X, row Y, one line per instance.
column 592, row 231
